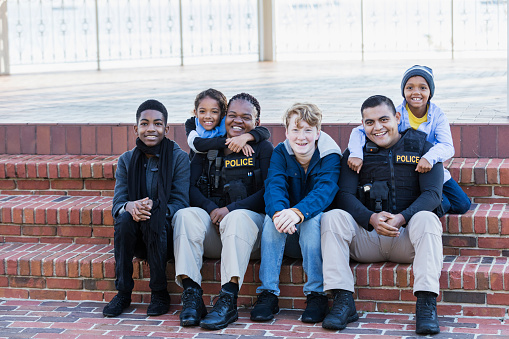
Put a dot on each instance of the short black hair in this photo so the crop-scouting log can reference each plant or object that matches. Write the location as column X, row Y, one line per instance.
column 377, row 100
column 154, row 105
column 214, row 94
column 249, row 98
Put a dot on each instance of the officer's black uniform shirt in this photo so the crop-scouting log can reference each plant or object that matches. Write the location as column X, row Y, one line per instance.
column 254, row 202
column 430, row 184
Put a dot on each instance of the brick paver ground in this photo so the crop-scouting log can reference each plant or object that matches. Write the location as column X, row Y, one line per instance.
column 64, row 319
column 468, row 90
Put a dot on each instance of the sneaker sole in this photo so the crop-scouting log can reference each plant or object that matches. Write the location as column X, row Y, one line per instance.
column 112, row 315
column 153, row 314
column 261, row 319
column 350, row 319
column 221, row 325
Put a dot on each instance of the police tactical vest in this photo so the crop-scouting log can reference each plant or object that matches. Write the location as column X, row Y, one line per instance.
column 388, row 180
column 230, row 178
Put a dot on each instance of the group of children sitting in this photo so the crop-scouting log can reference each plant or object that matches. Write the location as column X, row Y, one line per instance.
column 236, row 197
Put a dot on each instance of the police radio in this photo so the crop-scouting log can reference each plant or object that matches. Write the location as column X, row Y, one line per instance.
column 371, row 147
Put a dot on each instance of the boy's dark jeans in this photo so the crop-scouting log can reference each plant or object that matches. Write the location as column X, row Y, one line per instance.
column 130, row 241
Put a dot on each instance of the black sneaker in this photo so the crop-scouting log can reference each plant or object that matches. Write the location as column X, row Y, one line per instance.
column 426, row 320
column 223, row 313
column 342, row 312
column 193, row 307
column 159, row 303
column 116, row 305
column 316, row 309
column 265, row 307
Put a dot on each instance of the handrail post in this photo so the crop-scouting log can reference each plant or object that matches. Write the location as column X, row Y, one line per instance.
column 97, row 36
column 452, row 29
column 266, row 30
column 181, row 34
column 4, row 39
column 362, row 30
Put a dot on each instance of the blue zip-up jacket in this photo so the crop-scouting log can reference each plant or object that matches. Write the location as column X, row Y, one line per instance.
column 436, row 127
column 311, row 192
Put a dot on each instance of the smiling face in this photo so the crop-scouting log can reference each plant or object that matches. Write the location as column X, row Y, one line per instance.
column 417, row 94
column 208, row 113
column 151, row 127
column 240, row 118
column 302, row 136
column 381, row 125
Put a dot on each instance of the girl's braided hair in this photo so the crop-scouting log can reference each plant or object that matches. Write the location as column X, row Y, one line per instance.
column 249, row 98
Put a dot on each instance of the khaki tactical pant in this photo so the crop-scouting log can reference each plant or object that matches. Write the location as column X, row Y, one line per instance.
column 194, row 236
column 419, row 242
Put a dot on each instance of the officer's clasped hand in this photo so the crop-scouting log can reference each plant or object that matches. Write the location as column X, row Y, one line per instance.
column 217, row 215
column 386, row 223
column 140, row 209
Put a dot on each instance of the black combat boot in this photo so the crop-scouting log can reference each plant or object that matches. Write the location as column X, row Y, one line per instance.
column 193, row 307
column 223, row 313
column 426, row 320
column 342, row 312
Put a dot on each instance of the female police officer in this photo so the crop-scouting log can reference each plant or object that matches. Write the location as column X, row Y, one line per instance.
column 226, row 220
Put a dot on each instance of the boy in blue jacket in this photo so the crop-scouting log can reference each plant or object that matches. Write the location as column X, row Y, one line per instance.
column 300, row 186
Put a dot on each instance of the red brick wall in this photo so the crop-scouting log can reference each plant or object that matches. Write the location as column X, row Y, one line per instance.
column 471, row 141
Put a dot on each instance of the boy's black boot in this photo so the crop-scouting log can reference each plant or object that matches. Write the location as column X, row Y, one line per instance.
column 426, row 313
column 223, row 313
column 265, row 307
column 159, row 303
column 193, row 307
column 342, row 312
column 316, row 309
column 118, row 304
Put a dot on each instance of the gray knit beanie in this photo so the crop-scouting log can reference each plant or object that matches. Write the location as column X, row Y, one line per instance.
column 423, row 71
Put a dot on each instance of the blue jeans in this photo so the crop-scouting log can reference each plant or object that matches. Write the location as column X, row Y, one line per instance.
column 304, row 244
column 454, row 200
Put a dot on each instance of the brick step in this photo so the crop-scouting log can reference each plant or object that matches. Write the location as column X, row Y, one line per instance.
column 469, row 285
column 484, row 230
column 485, row 180
column 56, row 219
column 57, row 174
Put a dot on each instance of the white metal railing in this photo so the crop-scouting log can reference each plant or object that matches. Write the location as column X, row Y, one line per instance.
column 104, row 33
column 395, row 28
column 77, row 34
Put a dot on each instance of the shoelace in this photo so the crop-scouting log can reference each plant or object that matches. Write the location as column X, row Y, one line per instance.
column 314, row 299
column 222, row 304
column 158, row 300
column 118, row 301
column 190, row 298
column 425, row 307
column 341, row 301
column 264, row 298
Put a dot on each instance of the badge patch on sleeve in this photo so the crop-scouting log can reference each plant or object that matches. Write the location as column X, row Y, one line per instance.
column 239, row 162
column 407, row 159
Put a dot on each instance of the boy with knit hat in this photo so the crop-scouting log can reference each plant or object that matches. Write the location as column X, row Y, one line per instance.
column 418, row 112
column 152, row 184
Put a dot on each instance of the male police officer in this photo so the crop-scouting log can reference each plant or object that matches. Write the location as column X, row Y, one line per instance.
column 385, row 216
